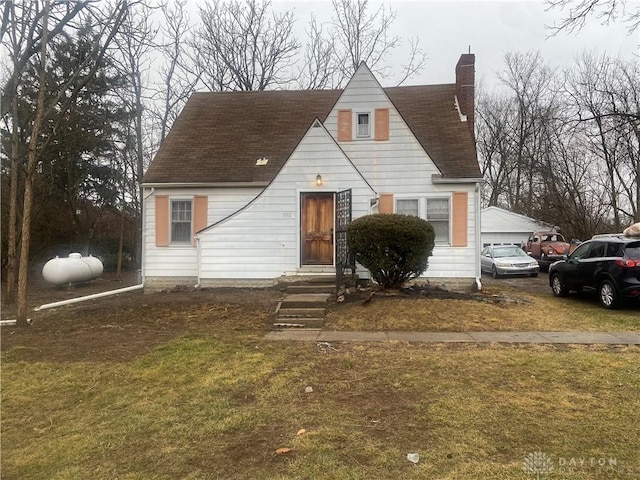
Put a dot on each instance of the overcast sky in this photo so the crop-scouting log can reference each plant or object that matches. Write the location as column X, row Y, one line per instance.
column 490, row 29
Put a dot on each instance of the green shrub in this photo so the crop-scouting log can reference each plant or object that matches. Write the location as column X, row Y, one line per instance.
column 394, row 248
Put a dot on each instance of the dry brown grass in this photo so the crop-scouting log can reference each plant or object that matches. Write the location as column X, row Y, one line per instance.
column 202, row 407
column 184, row 386
column 495, row 309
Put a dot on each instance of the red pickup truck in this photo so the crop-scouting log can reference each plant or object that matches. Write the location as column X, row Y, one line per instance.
column 547, row 247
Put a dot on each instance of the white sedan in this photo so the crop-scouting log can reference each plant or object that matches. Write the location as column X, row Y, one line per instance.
column 507, row 260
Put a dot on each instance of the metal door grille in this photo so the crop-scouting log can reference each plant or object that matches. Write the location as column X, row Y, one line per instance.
column 344, row 259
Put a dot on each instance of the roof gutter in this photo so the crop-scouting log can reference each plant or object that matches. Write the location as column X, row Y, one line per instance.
column 204, row 184
column 448, row 180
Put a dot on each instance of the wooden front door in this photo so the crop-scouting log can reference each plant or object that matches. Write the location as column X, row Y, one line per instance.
column 316, row 228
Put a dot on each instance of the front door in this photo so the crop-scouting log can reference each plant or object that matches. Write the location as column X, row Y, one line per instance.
column 316, row 228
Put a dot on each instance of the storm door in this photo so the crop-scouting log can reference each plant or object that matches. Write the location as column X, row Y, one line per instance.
column 343, row 219
column 344, row 259
column 316, row 228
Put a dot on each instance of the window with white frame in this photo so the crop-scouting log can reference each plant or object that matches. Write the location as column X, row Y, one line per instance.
column 181, row 221
column 434, row 210
column 363, row 125
column 408, row 206
column 438, row 214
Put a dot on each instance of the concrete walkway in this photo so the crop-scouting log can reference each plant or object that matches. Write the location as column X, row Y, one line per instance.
column 581, row 338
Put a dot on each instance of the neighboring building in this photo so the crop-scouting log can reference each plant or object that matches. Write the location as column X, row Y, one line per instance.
column 250, row 187
column 502, row 227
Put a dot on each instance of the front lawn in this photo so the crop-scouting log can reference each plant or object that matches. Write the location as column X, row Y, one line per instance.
column 185, row 387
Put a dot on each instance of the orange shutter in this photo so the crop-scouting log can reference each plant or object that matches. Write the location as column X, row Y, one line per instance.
column 386, row 203
column 382, row 124
column 162, row 220
column 459, row 214
column 344, row 125
column 199, row 214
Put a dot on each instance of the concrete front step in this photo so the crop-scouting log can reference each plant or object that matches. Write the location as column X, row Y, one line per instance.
column 300, row 312
column 305, row 304
column 328, row 279
column 299, row 322
column 316, row 288
column 305, row 300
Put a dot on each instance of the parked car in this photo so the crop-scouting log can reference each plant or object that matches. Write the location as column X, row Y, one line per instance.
column 547, row 247
column 507, row 260
column 606, row 264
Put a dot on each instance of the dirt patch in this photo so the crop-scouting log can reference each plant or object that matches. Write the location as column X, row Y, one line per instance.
column 124, row 326
column 369, row 294
column 536, row 285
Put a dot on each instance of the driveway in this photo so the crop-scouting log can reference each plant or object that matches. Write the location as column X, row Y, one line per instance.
column 538, row 285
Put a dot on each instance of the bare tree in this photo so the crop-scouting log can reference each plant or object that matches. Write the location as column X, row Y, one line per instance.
column 20, row 21
column 32, row 162
column 607, row 11
column 135, row 41
column 108, row 20
column 529, row 81
column 570, row 194
column 604, row 94
column 179, row 70
column 320, row 67
column 22, row 40
column 363, row 37
column 245, row 46
column 495, row 149
column 14, row 44
column 564, row 152
column 415, row 63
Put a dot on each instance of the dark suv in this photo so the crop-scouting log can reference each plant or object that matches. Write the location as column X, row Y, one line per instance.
column 606, row 264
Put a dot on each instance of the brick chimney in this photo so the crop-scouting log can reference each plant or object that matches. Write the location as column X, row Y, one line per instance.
column 465, row 87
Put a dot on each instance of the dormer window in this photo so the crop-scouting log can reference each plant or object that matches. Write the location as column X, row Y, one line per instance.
column 363, row 125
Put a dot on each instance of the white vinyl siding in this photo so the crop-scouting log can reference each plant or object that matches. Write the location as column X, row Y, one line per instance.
column 502, row 227
column 401, row 166
column 262, row 241
column 181, row 260
column 259, row 236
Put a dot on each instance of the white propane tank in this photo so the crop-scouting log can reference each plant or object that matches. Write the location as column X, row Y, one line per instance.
column 75, row 268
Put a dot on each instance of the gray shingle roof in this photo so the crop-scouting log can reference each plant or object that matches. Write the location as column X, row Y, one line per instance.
column 219, row 136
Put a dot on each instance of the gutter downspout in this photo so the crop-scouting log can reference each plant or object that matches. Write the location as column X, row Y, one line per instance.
column 478, row 239
column 143, row 249
column 89, row 297
column 132, row 288
column 198, row 255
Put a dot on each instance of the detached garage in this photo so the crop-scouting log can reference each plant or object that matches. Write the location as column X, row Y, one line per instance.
column 499, row 227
